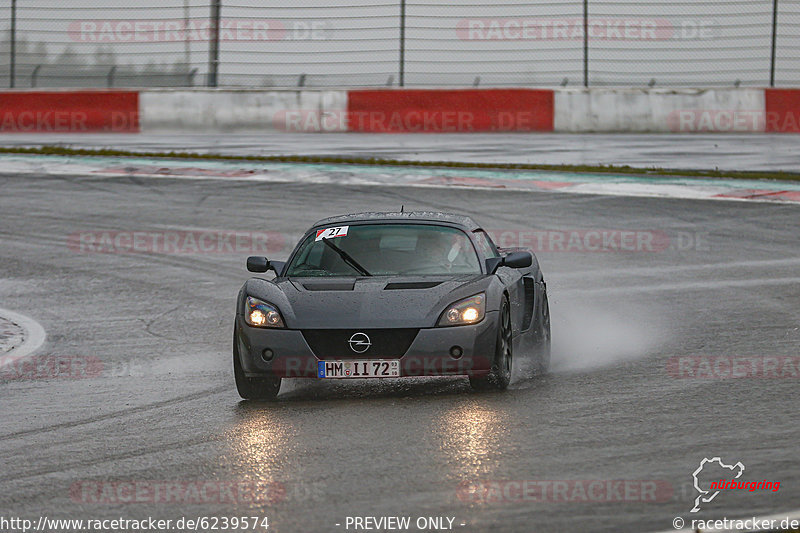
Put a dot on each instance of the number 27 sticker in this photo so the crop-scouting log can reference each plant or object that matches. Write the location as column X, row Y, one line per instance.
column 330, row 233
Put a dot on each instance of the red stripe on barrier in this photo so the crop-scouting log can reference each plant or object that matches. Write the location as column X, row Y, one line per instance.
column 757, row 194
column 442, row 111
column 69, row 111
column 783, row 110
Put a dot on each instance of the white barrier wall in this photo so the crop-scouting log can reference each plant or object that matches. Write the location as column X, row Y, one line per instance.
column 602, row 110
column 658, row 110
column 242, row 110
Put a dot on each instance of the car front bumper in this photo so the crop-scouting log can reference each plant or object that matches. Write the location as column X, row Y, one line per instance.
column 428, row 355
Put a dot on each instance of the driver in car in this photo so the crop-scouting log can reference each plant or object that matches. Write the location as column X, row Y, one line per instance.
column 439, row 251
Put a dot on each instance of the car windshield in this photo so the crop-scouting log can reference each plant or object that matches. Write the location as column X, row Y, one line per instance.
column 385, row 250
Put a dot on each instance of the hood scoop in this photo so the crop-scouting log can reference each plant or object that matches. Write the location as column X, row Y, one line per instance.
column 329, row 285
column 398, row 285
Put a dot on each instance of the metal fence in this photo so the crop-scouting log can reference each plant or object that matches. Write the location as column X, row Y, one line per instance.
column 321, row 43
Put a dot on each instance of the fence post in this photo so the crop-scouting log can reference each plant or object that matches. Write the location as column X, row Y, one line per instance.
column 774, row 39
column 585, row 43
column 187, row 45
column 402, row 42
column 12, row 64
column 213, row 55
column 35, row 75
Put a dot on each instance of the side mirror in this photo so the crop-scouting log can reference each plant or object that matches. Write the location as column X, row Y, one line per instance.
column 257, row 263
column 512, row 260
column 518, row 260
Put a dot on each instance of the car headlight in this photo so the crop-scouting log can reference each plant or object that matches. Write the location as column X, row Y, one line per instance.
column 260, row 314
column 467, row 311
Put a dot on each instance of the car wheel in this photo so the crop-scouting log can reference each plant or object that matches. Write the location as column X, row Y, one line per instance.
column 265, row 388
column 543, row 347
column 500, row 375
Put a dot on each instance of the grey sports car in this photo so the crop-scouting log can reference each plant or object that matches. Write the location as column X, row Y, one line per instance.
column 389, row 295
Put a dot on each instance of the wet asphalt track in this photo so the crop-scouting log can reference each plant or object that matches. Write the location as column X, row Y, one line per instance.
column 164, row 407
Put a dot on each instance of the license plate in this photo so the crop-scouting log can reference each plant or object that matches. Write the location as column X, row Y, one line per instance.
column 359, row 369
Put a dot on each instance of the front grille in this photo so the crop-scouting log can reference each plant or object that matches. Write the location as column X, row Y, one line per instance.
column 335, row 343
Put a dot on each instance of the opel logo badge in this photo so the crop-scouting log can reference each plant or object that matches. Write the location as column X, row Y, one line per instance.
column 359, row 342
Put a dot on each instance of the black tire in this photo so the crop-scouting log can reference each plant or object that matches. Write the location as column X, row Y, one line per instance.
column 265, row 388
column 543, row 344
column 499, row 376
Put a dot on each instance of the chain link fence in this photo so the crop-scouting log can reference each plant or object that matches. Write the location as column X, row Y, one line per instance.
column 363, row 43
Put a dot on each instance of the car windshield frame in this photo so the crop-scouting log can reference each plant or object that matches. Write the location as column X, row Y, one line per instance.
column 475, row 265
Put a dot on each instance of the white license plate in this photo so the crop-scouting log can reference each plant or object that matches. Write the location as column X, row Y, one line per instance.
column 375, row 368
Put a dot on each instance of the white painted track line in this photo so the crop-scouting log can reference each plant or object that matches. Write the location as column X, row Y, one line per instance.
column 34, row 337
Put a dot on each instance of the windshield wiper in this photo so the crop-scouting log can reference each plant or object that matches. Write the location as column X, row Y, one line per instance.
column 346, row 258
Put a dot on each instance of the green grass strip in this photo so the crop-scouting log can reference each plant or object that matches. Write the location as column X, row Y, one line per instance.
column 593, row 169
